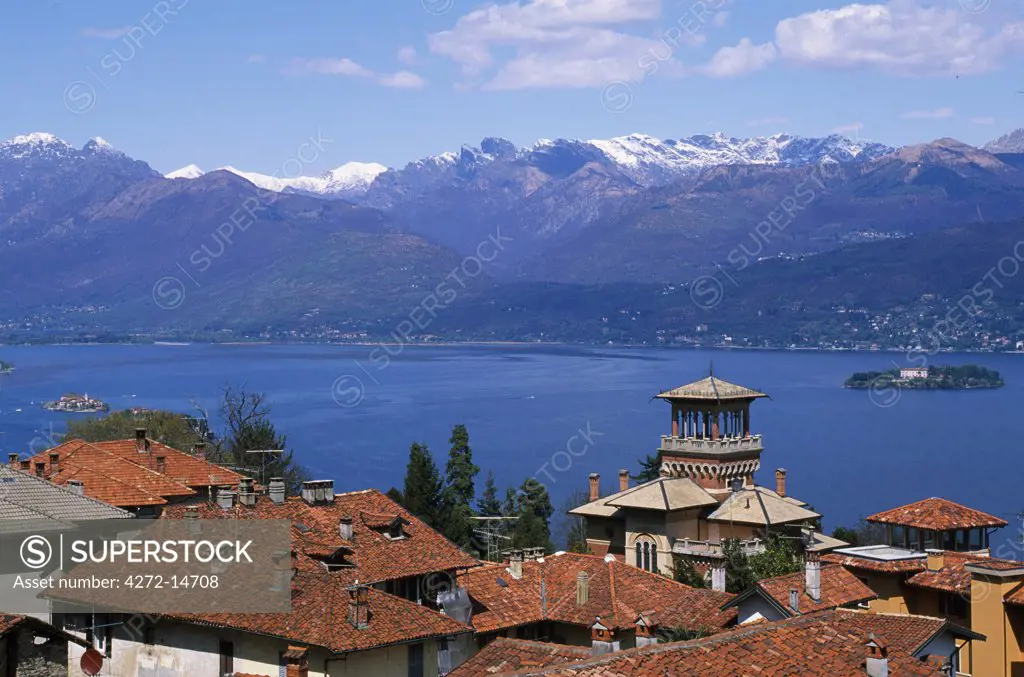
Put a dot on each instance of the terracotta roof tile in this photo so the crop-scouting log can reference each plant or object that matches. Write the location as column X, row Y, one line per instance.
column 509, row 655
column 1016, row 596
column 906, row 633
column 178, row 465
column 839, row 587
column 319, row 617
column 375, row 556
column 937, row 514
column 824, row 644
column 953, row 577
column 617, row 592
column 9, row 622
column 900, row 566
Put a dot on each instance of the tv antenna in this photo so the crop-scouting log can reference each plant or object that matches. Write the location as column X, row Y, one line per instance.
column 263, row 454
column 492, row 532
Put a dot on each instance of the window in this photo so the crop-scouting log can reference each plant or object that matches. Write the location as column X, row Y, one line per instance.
column 415, row 660
column 646, row 554
column 395, row 532
column 227, row 658
column 951, row 604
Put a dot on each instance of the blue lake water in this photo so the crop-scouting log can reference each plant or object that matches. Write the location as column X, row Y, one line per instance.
column 846, row 455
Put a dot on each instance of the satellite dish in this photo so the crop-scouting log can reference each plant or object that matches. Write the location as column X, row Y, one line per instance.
column 92, row 662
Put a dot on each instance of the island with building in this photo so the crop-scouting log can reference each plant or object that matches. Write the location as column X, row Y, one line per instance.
column 6, row 367
column 963, row 377
column 78, row 404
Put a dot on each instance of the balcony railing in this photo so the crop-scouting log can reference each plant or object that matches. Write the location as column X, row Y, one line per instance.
column 688, row 546
column 707, row 445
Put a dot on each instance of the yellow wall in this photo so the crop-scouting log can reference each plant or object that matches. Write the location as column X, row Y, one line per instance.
column 890, row 591
column 1001, row 653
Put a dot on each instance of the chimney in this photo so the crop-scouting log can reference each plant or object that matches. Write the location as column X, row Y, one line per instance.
column 328, row 491
column 582, row 588
column 225, row 498
column 358, row 607
column 40, row 469
column 794, row 600
column 595, row 486
column 297, row 661
column 161, row 464
column 12, row 459
column 780, row 482
column 141, row 443
column 199, row 450
column 646, row 630
column 246, row 494
column 718, row 575
column 26, row 464
column 936, row 559
column 812, row 575
column 602, row 639
column 76, row 487
column 623, row 480
column 54, row 463
column 277, row 491
column 876, row 664
column 345, row 528
column 515, row 564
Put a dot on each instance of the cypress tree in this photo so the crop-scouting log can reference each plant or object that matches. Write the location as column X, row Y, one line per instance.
column 423, row 489
column 489, row 505
column 460, row 471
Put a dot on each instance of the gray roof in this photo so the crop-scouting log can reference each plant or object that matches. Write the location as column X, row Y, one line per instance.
column 712, row 389
column 23, row 496
column 761, row 507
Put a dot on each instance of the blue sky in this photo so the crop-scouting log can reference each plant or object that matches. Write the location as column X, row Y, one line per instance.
column 245, row 83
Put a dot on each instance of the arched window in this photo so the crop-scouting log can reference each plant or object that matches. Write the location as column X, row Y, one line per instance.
column 646, row 554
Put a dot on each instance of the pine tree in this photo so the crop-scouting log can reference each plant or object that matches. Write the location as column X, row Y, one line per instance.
column 510, row 506
column 459, row 490
column 423, row 489
column 532, row 529
column 650, row 469
column 489, row 505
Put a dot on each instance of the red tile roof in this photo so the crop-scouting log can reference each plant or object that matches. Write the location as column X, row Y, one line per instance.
column 117, row 473
column 319, row 617
column 839, row 587
column 1016, row 596
column 900, row 566
column 508, row 655
column 375, row 556
column 825, row 644
column 9, row 622
column 937, row 514
column 617, row 592
column 953, row 577
column 906, row 633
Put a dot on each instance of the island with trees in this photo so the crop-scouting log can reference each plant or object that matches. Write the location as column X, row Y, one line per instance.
column 6, row 367
column 964, row 377
column 77, row 404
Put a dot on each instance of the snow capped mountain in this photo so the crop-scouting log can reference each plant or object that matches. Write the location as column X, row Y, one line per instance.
column 36, row 145
column 1007, row 143
column 349, row 180
column 651, row 161
column 186, row 172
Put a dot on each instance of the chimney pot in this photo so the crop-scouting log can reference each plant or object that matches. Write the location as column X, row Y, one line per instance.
column 277, row 490
column 623, row 480
column 40, row 469
column 225, row 498
column 12, row 459
column 876, row 663
column 812, row 575
column 780, row 482
column 595, row 486
column 794, row 600
column 582, row 588
column 515, row 564
column 141, row 443
column 345, row 528
column 718, row 576
column 54, row 463
column 199, row 449
column 161, row 464
column 26, row 464
column 358, row 609
column 936, row 559
column 76, row 487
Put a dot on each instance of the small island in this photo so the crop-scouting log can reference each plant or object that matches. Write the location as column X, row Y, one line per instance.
column 77, row 404
column 965, row 377
column 6, row 367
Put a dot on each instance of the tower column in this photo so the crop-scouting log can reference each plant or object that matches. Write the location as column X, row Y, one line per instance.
column 675, row 421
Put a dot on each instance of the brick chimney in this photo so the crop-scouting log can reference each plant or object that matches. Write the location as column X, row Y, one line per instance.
column 876, row 663
column 26, row 464
column 345, row 528
column 812, row 575
column 12, row 459
column 76, row 487
column 623, row 480
column 358, row 607
column 277, row 491
column 780, row 482
column 602, row 639
column 936, row 559
column 54, row 464
column 40, row 469
column 296, row 661
column 199, row 450
column 646, row 629
column 595, row 486
column 141, row 443
column 161, row 464
column 582, row 588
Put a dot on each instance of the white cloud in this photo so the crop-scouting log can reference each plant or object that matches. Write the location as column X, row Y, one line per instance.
column 767, row 122
column 407, row 54
column 937, row 114
column 741, row 59
column 558, row 43
column 402, row 80
column 256, row 58
column 105, row 33
column 984, row 120
column 327, row 66
column 852, row 127
column 899, row 37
